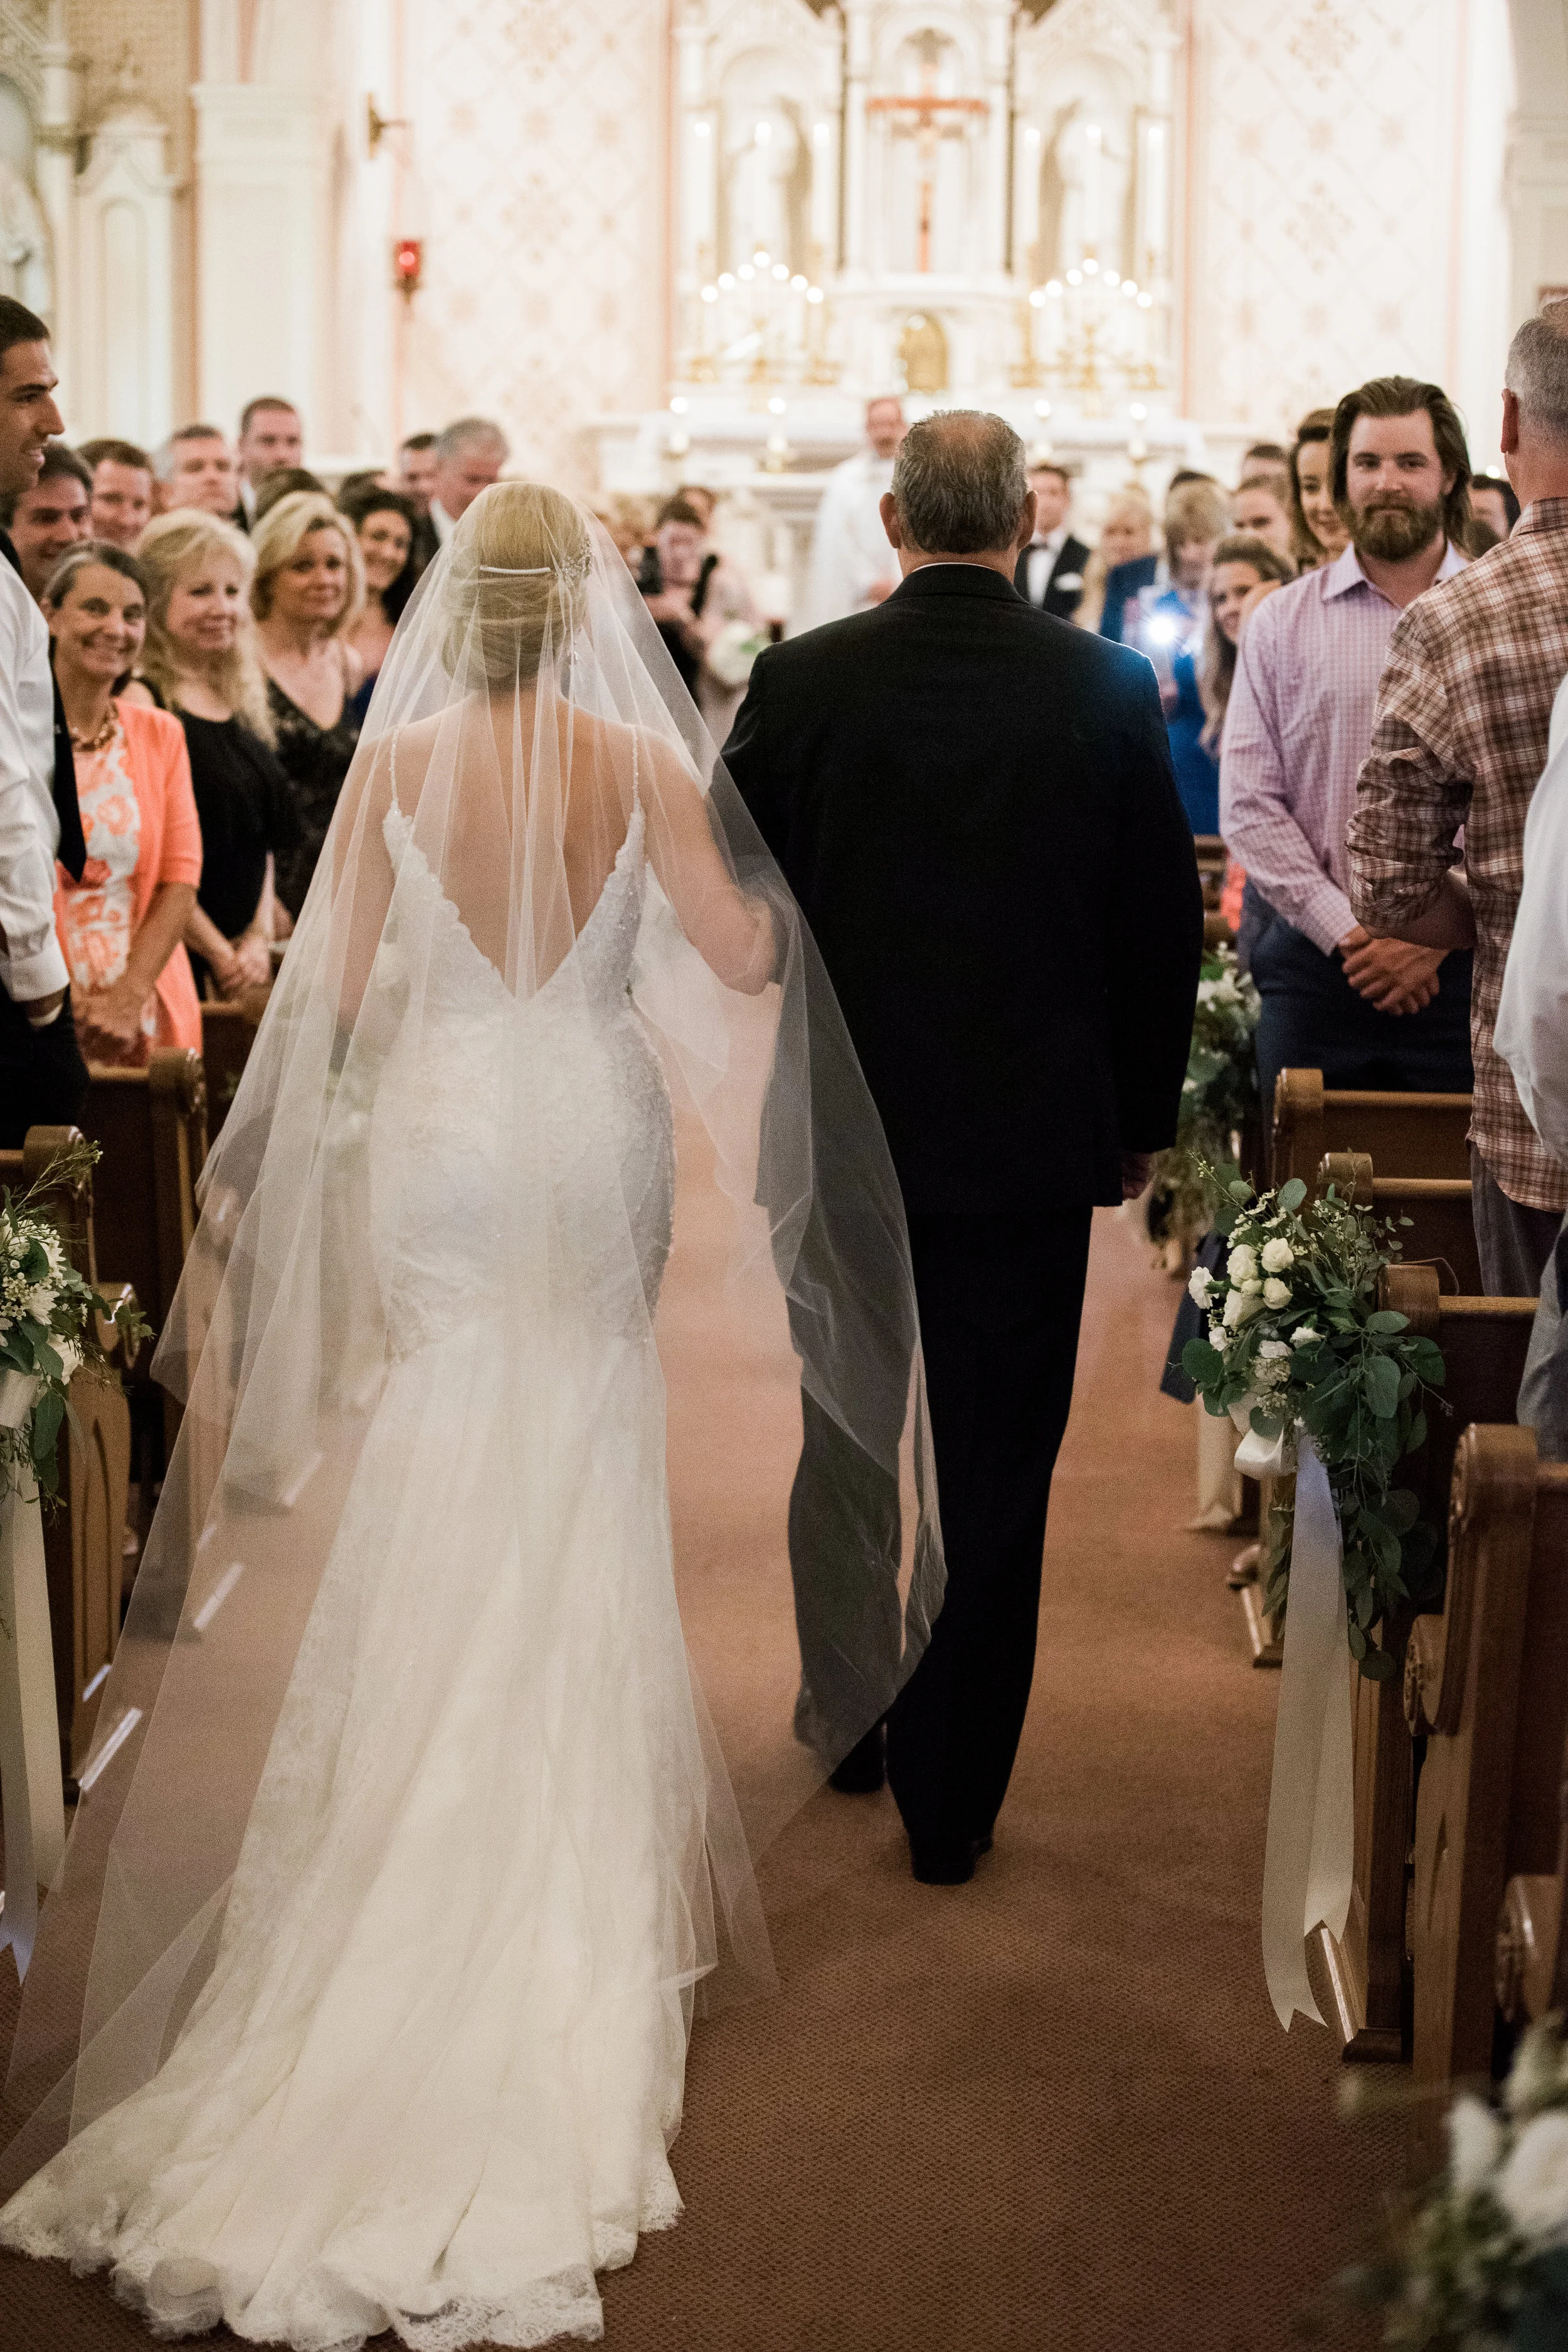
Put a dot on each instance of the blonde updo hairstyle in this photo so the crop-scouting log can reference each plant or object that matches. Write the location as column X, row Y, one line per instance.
column 283, row 532
column 515, row 581
column 171, row 546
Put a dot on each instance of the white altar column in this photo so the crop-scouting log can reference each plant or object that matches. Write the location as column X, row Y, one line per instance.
column 1026, row 147
column 856, row 73
column 263, row 248
column 123, row 349
column 59, row 119
column 998, row 71
column 695, row 252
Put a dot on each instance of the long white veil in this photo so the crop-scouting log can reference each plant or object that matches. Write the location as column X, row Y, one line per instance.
column 529, row 723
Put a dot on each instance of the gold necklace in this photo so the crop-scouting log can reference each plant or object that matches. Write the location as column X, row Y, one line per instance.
column 104, row 736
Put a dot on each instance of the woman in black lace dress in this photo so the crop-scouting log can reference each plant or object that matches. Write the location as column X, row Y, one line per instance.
column 306, row 596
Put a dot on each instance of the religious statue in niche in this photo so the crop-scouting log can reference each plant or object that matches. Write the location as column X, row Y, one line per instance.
column 26, row 273
column 922, row 353
column 767, row 184
column 1085, row 181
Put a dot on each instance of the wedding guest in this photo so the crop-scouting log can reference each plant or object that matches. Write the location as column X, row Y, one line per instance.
column 1243, row 565
column 1126, row 539
column 1367, row 1011
column 630, row 523
column 1494, row 501
column 121, row 489
column 43, row 1078
column 1262, row 509
column 1051, row 569
column 1480, row 538
column 1318, row 532
column 306, row 596
column 48, row 521
column 383, row 521
column 196, row 469
column 1169, row 627
column 415, row 477
column 1462, row 730
column 469, row 455
column 200, row 654
column 281, row 483
column 1266, row 461
column 272, row 436
column 704, row 501
column 122, row 925
column 694, row 594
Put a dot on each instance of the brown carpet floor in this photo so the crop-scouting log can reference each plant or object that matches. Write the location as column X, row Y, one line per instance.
column 1050, row 2112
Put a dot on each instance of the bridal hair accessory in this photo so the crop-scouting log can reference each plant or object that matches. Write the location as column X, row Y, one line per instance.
column 515, row 570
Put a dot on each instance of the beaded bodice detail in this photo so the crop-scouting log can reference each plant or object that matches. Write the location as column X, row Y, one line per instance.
column 522, row 1156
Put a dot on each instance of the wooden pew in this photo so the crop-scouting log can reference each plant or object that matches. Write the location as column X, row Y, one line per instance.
column 84, row 1539
column 1441, row 1225
column 1210, row 852
column 1404, row 1134
column 229, row 1033
column 151, row 1126
column 1484, row 1342
column 1531, row 1956
column 1487, row 1682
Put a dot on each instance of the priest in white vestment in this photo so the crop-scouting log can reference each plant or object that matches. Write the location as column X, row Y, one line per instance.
column 852, row 565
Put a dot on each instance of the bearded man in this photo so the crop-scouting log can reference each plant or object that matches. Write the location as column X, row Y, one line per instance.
column 1367, row 1011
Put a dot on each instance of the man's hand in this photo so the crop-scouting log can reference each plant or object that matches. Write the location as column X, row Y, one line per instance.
column 1135, row 1169
column 1389, row 974
column 253, row 961
column 39, row 1010
column 113, row 1016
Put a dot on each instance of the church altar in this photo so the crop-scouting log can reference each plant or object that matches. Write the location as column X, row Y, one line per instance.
column 970, row 205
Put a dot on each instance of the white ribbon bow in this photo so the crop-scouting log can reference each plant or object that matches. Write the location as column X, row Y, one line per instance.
column 1310, row 1857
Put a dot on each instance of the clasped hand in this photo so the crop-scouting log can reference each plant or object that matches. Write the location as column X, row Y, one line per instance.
column 1390, row 974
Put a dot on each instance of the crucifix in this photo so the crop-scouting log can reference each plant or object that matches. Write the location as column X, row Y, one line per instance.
column 932, row 116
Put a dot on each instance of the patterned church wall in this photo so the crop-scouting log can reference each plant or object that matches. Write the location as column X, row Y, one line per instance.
column 1332, row 153
column 541, row 150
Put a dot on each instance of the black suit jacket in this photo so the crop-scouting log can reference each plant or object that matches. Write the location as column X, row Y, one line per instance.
column 1071, row 557
column 974, row 806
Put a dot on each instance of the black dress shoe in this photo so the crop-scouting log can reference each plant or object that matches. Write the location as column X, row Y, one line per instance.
column 864, row 1771
column 944, row 1861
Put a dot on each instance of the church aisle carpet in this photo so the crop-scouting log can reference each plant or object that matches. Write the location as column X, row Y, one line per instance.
column 1051, row 2111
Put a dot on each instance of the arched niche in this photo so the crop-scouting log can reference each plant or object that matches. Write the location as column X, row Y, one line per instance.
column 765, row 152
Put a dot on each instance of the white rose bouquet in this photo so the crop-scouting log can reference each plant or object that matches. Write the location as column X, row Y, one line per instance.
column 48, row 1327
column 1297, row 1342
column 1220, row 1098
column 1482, row 2259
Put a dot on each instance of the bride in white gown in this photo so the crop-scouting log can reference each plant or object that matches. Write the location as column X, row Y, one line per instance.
column 362, row 1998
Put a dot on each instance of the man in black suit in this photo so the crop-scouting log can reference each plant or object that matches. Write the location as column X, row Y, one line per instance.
column 42, row 1079
column 974, row 806
column 1049, row 571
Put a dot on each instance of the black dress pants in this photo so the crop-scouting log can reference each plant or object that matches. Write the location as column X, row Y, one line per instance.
column 1313, row 1019
column 43, row 1078
column 1000, row 1301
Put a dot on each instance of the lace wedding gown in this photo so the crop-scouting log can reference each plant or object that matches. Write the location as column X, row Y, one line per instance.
column 431, row 2081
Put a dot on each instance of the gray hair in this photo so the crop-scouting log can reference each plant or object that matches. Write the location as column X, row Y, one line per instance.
column 959, row 482
column 1537, row 371
column 470, row 432
column 168, row 451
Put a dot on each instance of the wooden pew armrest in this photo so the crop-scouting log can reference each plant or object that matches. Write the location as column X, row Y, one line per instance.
column 109, row 1338
column 1425, row 1655
column 1527, row 1931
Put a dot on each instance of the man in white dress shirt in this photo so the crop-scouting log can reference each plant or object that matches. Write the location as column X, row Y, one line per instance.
column 469, row 455
column 852, row 566
column 43, row 1080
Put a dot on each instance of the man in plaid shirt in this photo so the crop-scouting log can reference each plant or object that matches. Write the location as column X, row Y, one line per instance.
column 1459, row 740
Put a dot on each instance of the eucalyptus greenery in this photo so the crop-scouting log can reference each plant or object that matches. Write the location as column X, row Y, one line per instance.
column 1296, row 1342
column 1219, row 1096
column 48, row 1320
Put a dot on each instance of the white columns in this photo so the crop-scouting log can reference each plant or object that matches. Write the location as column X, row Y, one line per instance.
column 262, row 258
column 56, row 170
column 998, row 71
column 856, row 72
column 122, row 348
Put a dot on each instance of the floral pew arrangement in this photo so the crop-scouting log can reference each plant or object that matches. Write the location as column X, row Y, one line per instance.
column 1218, row 1106
column 1480, row 2263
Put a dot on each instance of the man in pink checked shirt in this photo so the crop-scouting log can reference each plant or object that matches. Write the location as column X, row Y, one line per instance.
column 1366, row 1011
